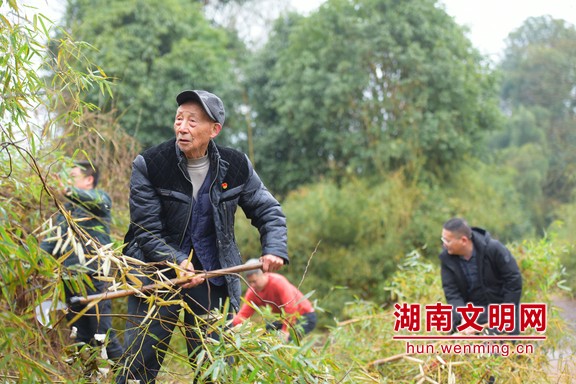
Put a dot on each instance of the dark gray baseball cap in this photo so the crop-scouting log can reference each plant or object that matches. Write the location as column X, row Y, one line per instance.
column 211, row 103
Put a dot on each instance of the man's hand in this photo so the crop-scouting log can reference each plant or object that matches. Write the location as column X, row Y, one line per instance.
column 468, row 330
column 271, row 263
column 187, row 270
column 285, row 335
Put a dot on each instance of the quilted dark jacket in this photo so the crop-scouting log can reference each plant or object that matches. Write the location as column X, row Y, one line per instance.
column 499, row 275
column 161, row 205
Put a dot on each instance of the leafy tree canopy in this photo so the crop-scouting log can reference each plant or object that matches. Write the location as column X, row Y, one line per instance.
column 367, row 86
column 539, row 92
column 153, row 50
column 540, row 66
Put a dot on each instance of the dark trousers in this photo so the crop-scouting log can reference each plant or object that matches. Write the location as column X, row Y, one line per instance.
column 95, row 322
column 146, row 344
column 306, row 323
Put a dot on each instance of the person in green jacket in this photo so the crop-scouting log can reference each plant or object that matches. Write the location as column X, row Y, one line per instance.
column 90, row 210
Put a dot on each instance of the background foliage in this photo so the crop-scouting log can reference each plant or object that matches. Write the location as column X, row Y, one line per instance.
column 373, row 121
column 366, row 88
column 538, row 79
column 151, row 51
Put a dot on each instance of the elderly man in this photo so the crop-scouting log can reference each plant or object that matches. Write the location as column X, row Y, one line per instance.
column 183, row 198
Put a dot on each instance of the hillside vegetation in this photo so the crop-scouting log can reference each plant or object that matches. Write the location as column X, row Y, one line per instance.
column 373, row 121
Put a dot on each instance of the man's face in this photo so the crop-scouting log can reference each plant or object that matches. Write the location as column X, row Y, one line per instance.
column 256, row 281
column 453, row 243
column 81, row 181
column 194, row 129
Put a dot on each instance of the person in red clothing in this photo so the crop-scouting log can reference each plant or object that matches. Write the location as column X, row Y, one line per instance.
column 274, row 290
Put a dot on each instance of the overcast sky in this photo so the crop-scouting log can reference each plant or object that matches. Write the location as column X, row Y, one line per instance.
column 490, row 21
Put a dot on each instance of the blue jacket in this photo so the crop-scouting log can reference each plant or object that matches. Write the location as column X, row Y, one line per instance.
column 161, row 205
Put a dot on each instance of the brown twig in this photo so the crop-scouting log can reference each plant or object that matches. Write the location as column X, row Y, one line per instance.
column 150, row 287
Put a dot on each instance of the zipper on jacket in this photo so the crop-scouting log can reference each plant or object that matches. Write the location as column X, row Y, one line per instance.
column 224, row 207
column 218, row 241
column 187, row 177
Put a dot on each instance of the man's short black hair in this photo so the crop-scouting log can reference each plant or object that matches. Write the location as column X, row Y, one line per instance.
column 459, row 227
column 88, row 169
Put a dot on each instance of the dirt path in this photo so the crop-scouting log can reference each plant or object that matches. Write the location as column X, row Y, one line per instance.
column 563, row 361
column 568, row 309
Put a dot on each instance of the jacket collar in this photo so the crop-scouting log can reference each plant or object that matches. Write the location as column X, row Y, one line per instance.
column 218, row 166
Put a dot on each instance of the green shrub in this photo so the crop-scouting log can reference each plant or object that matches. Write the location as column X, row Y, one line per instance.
column 345, row 240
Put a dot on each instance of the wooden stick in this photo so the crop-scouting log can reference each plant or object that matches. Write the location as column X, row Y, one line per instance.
column 150, row 287
column 388, row 359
